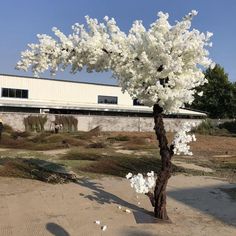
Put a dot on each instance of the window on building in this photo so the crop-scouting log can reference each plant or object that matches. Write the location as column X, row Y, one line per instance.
column 137, row 103
column 107, row 99
column 14, row 93
column 24, row 93
column 4, row 92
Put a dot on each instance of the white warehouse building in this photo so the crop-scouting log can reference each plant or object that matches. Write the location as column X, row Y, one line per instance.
column 91, row 104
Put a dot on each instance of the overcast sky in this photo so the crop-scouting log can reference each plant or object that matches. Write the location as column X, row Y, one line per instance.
column 22, row 20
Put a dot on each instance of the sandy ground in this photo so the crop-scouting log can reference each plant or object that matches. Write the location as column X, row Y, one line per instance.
column 197, row 205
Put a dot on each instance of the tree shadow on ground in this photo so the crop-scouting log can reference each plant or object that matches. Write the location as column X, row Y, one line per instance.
column 56, row 229
column 137, row 232
column 212, row 200
column 32, row 168
column 101, row 196
column 217, row 201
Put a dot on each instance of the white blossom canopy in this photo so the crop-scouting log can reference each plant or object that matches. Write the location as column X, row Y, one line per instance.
column 160, row 65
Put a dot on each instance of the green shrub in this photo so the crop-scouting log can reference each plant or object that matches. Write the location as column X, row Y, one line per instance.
column 69, row 123
column 35, row 123
column 230, row 126
column 207, row 127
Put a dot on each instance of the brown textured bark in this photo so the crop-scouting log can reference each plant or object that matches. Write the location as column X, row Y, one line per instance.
column 151, row 198
column 166, row 153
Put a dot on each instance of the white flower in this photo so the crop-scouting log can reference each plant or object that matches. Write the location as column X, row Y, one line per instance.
column 182, row 138
column 150, row 174
column 143, row 184
column 200, row 93
column 129, row 175
column 104, row 227
column 106, row 18
column 139, row 59
column 212, row 66
column 209, row 34
column 194, row 12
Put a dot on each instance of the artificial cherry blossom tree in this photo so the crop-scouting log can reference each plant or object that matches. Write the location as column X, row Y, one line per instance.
column 160, row 66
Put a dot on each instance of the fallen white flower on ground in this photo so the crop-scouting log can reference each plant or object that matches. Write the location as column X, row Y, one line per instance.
column 127, row 211
column 104, row 227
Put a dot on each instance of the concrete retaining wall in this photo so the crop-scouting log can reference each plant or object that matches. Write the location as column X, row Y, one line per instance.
column 88, row 122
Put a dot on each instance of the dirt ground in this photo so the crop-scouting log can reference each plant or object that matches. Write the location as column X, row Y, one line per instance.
column 197, row 205
column 213, row 145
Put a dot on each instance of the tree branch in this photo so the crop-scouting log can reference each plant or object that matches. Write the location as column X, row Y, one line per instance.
column 159, row 69
column 151, row 198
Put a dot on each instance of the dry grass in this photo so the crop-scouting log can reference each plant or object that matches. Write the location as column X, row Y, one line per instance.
column 96, row 152
column 134, row 141
column 41, row 141
column 207, row 145
column 113, row 163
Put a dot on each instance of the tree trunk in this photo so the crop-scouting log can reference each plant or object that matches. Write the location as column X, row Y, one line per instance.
column 166, row 153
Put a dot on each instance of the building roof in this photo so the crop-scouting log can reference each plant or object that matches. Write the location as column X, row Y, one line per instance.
column 94, row 107
column 60, row 80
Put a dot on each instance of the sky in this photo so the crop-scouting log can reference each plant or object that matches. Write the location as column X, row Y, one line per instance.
column 22, row 20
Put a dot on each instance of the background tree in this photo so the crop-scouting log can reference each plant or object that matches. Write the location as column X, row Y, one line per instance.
column 159, row 66
column 219, row 94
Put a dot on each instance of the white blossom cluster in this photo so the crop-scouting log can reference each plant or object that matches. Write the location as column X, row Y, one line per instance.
column 182, row 138
column 140, row 183
column 161, row 64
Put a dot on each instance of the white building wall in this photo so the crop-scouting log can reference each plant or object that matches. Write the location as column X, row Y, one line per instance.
column 62, row 92
column 46, row 93
column 50, row 93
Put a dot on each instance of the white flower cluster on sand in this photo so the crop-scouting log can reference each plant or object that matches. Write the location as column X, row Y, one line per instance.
column 103, row 227
column 162, row 64
column 182, row 138
column 140, row 183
